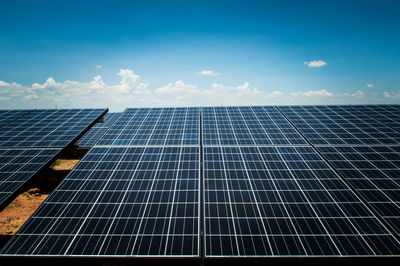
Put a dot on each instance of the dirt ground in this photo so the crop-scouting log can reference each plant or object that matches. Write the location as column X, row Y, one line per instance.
column 19, row 210
column 64, row 164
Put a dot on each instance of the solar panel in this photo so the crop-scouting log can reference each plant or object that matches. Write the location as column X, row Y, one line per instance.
column 98, row 130
column 334, row 125
column 259, row 125
column 374, row 172
column 17, row 166
column 386, row 114
column 7, row 116
column 120, row 201
column 155, row 126
column 48, row 128
column 284, row 201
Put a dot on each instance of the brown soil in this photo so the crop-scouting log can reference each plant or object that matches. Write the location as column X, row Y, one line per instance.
column 19, row 210
column 65, row 164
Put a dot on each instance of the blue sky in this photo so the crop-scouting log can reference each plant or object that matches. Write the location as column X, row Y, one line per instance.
column 153, row 53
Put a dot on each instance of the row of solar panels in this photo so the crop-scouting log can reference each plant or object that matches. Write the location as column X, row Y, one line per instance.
column 243, row 176
column 261, row 125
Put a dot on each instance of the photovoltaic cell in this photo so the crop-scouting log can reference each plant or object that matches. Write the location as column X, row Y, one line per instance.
column 98, row 130
column 155, row 126
column 284, row 201
column 374, row 172
column 337, row 125
column 120, row 201
column 258, row 125
column 47, row 128
column 17, row 166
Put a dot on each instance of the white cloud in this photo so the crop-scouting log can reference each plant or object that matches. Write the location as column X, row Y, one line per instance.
column 208, row 73
column 4, row 84
column 175, row 93
column 220, row 89
column 392, row 95
column 131, row 91
column 313, row 93
column 95, row 93
column 178, row 87
column 370, row 85
column 358, row 94
column 31, row 96
column 129, row 83
column 316, row 63
column 50, row 83
column 98, row 66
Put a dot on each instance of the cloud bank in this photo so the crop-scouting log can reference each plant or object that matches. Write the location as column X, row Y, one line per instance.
column 131, row 91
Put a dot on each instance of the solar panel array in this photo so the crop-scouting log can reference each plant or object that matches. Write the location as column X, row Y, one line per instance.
column 284, row 201
column 136, row 201
column 30, row 139
column 94, row 133
column 126, row 198
column 245, row 181
column 276, row 200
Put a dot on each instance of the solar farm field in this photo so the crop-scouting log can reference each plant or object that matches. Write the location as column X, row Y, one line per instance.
column 208, row 183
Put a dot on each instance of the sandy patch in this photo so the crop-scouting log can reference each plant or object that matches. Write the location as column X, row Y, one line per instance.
column 19, row 210
column 64, row 164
